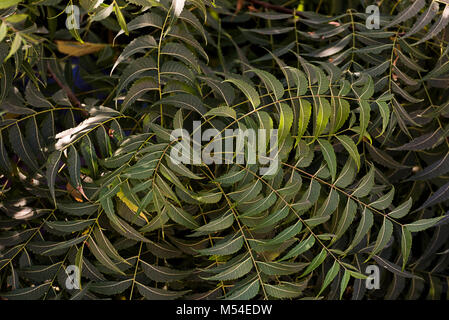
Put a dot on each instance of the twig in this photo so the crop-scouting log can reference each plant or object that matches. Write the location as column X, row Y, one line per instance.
column 72, row 97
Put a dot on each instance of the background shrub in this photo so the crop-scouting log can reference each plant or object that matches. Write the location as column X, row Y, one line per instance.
column 87, row 180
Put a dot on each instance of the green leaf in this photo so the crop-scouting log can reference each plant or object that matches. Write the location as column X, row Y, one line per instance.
column 309, row 197
column 305, row 111
column 247, row 192
column 347, row 174
column 192, row 20
column 107, row 246
column 340, row 113
column 157, row 222
column 120, row 18
column 434, row 170
column 382, row 158
column 35, row 98
column 102, row 257
column 234, row 272
column 221, row 223
column 285, row 290
column 330, row 204
column 231, row 177
column 5, row 162
column 323, row 81
column 181, row 52
column 182, row 217
column 40, row 273
column 297, row 78
column 247, row 89
column 332, row 48
column 385, row 233
column 422, row 224
column 365, row 224
column 285, row 121
column 322, row 109
column 316, row 262
column 158, row 294
column 365, row 110
column 273, row 218
column 269, row 31
column 138, row 45
column 224, row 247
column 138, row 89
column 183, row 170
column 357, row 275
column 116, row 161
column 23, row 150
column 424, row 142
column 74, row 165
column 330, row 157
column 52, row 170
column 149, row 19
column 78, row 209
column 246, row 291
column 280, row 268
column 438, row 26
column 108, row 207
column 315, row 221
column 222, row 112
column 30, row 293
column 402, row 210
column 208, row 197
column 70, row 226
column 62, row 246
column 366, row 184
column 442, row 194
column 392, row 267
column 299, row 249
column 15, row 46
column 408, row 13
column 163, row 274
column 406, row 245
column 183, row 34
column 9, row 3
column 260, row 206
column 134, row 69
column 292, row 187
column 344, row 283
column 383, row 202
column 127, row 231
column 270, row 82
column 330, row 276
column 346, row 219
column 110, row 287
column 3, row 31
column 103, row 13
column 439, row 70
column 404, row 94
column 183, row 101
column 225, row 90
column 351, row 147
column 287, row 233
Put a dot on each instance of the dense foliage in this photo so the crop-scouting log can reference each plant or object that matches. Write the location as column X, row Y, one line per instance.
column 87, row 179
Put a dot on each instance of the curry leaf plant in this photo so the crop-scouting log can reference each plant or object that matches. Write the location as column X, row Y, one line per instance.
column 94, row 206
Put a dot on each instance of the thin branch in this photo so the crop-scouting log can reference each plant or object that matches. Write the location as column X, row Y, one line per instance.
column 72, row 97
